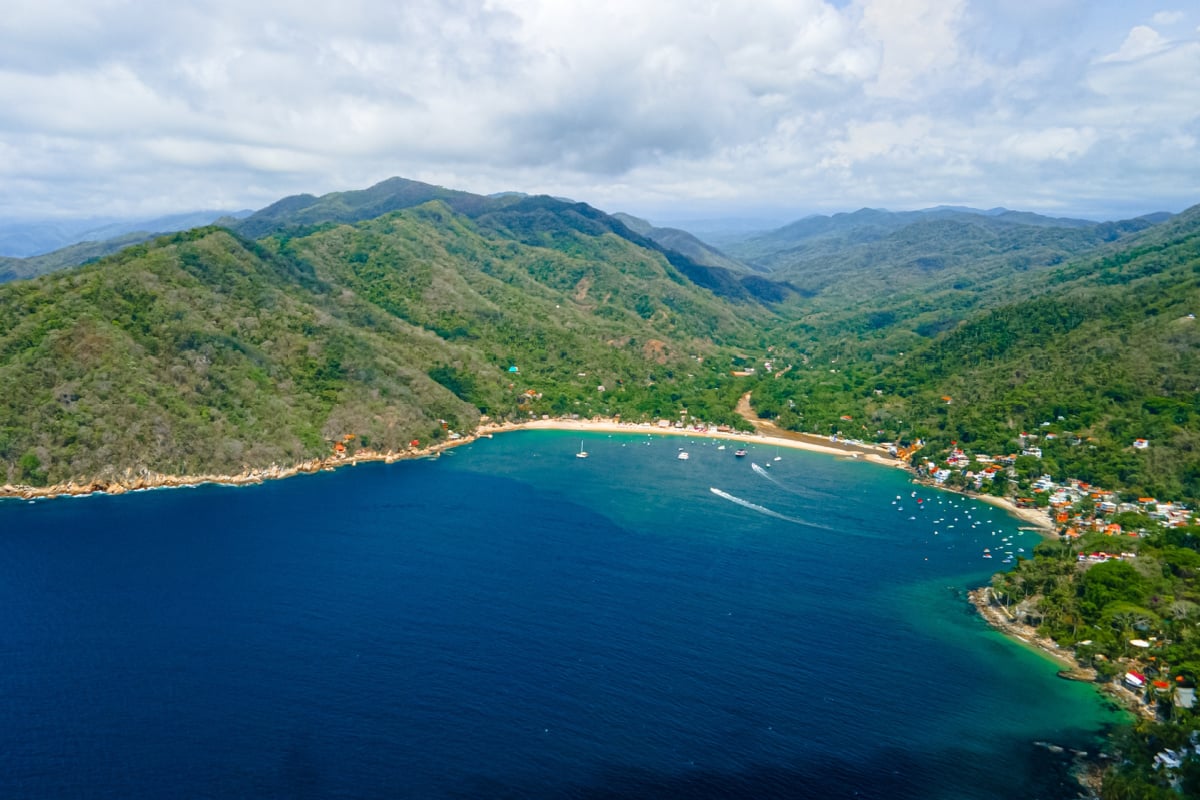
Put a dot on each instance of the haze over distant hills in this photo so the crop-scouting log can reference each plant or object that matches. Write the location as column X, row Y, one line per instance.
column 786, row 252
column 816, row 237
column 38, row 237
column 683, row 242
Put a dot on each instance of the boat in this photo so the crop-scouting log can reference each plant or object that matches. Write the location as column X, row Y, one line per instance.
column 683, row 456
column 582, row 453
column 740, row 453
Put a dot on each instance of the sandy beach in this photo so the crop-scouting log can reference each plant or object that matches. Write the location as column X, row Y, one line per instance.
column 765, row 433
column 138, row 480
column 1035, row 517
column 779, row 438
column 768, row 434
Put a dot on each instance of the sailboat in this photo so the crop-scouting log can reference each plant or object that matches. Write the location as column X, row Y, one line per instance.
column 582, row 453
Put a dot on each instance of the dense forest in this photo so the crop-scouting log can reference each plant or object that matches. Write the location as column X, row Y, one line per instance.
column 206, row 352
column 1098, row 351
column 384, row 311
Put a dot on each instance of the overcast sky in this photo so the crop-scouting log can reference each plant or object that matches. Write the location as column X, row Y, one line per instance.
column 673, row 110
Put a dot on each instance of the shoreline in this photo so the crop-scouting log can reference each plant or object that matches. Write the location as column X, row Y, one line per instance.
column 1035, row 517
column 764, row 433
column 132, row 481
column 999, row 619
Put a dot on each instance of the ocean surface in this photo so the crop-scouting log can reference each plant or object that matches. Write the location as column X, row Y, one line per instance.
column 510, row 621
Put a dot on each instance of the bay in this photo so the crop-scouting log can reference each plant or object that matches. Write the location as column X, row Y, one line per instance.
column 511, row 621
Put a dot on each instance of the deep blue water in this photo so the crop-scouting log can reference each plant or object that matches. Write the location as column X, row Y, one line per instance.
column 511, row 621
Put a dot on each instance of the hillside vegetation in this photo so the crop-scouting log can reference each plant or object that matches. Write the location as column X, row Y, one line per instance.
column 384, row 311
column 206, row 352
column 1099, row 351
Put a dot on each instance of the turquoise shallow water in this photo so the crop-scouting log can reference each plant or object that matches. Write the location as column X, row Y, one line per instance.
column 511, row 621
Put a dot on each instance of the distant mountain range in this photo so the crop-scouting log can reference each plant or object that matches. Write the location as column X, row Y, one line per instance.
column 683, row 242
column 38, row 237
column 806, row 247
column 800, row 256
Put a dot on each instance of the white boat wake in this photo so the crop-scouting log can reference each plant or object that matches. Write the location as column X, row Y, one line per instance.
column 807, row 493
column 758, row 508
column 766, row 475
column 765, row 510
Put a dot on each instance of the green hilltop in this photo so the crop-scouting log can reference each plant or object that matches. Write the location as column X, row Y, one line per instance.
column 206, row 352
column 1103, row 348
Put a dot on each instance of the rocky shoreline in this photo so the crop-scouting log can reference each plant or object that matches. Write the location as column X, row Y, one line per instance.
column 140, row 480
column 1088, row 769
column 136, row 480
column 999, row 618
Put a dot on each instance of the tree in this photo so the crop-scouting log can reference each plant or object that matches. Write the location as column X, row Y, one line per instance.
column 1111, row 582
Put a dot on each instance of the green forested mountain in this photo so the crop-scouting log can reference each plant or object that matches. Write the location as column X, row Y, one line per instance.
column 205, row 351
column 393, row 194
column 1100, row 351
column 530, row 219
column 383, row 311
column 875, row 258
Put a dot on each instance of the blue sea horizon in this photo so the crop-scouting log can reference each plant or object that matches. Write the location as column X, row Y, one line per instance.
column 511, row 621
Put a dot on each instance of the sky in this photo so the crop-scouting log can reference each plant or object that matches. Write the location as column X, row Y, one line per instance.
column 696, row 109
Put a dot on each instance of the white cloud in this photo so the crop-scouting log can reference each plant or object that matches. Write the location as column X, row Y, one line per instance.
column 1051, row 144
column 1164, row 18
column 1142, row 41
column 918, row 39
column 795, row 104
